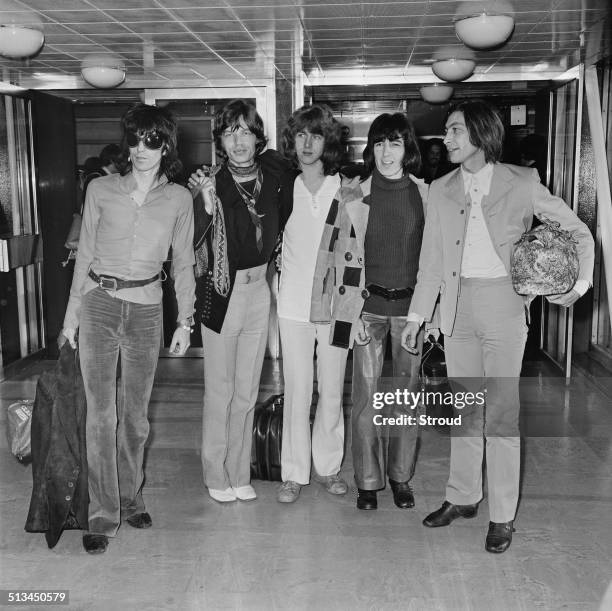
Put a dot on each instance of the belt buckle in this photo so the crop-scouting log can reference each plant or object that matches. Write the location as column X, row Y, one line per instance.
column 108, row 284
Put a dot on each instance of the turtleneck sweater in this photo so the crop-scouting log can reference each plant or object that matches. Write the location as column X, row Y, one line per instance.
column 393, row 241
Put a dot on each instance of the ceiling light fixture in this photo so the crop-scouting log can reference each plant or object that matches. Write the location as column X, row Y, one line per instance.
column 453, row 69
column 453, row 63
column 484, row 25
column 436, row 93
column 20, row 34
column 103, row 71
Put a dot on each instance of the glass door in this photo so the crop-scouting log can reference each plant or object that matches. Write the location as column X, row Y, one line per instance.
column 21, row 309
column 601, row 337
column 565, row 124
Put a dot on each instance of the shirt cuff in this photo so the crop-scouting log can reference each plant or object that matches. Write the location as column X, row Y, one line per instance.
column 414, row 317
column 582, row 286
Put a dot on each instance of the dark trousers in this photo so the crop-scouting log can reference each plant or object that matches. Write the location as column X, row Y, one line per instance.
column 117, row 424
column 383, row 450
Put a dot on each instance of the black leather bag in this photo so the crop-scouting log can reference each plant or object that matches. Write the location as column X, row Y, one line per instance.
column 267, row 439
column 433, row 365
column 434, row 379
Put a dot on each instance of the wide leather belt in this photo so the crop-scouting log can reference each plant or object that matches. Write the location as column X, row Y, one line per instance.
column 110, row 283
column 390, row 294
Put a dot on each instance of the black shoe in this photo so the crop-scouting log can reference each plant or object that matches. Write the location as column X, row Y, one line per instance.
column 402, row 494
column 366, row 499
column 140, row 520
column 95, row 544
column 449, row 512
column 499, row 537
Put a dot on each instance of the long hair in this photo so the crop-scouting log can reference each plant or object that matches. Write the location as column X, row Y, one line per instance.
column 317, row 119
column 485, row 127
column 145, row 118
column 393, row 127
column 229, row 118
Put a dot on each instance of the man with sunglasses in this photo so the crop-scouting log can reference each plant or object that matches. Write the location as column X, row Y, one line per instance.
column 130, row 221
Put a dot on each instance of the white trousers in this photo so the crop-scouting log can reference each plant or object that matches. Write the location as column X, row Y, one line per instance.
column 327, row 444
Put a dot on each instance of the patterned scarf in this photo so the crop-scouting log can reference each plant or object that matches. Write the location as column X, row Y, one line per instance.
column 220, row 266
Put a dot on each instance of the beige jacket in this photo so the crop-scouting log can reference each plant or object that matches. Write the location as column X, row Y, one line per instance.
column 516, row 195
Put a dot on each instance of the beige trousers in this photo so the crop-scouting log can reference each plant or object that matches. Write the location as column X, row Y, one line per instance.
column 486, row 351
column 233, row 361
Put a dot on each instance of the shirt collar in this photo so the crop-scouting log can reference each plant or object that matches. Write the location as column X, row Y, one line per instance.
column 481, row 179
column 128, row 183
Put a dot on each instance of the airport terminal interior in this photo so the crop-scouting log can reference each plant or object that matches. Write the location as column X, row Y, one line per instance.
column 69, row 71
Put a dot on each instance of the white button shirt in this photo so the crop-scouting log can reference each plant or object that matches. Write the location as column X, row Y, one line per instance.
column 301, row 240
column 479, row 257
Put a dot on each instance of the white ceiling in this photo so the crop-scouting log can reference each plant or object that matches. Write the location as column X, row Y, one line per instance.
column 189, row 43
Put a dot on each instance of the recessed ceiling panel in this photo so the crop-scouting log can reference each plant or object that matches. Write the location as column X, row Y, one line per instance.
column 257, row 34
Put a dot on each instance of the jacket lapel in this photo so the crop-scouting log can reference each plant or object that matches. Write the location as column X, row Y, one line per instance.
column 455, row 189
column 500, row 185
column 358, row 207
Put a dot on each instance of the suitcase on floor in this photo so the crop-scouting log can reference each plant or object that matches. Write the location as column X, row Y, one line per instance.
column 267, row 439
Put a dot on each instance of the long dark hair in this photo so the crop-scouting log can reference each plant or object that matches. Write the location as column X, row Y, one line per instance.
column 317, row 119
column 393, row 127
column 145, row 118
column 485, row 127
column 229, row 118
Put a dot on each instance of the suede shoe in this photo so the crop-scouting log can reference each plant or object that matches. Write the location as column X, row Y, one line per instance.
column 140, row 520
column 499, row 537
column 334, row 484
column 449, row 512
column 402, row 494
column 366, row 499
column 95, row 544
column 288, row 492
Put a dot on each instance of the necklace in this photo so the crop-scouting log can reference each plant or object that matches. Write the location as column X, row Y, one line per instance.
column 250, row 199
column 243, row 171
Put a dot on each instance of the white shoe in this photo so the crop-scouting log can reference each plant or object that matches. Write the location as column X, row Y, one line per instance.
column 334, row 484
column 245, row 493
column 222, row 496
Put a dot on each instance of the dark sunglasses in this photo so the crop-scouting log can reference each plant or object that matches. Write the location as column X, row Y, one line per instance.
column 152, row 140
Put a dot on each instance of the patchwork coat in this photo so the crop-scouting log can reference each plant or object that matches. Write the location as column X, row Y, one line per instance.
column 338, row 291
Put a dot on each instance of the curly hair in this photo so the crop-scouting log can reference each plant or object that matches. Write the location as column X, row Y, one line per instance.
column 393, row 127
column 146, row 118
column 484, row 125
column 229, row 118
column 316, row 119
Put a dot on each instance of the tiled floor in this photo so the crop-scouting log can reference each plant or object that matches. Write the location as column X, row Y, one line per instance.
column 321, row 552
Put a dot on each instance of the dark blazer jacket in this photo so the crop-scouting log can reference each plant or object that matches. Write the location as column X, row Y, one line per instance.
column 60, row 498
column 276, row 198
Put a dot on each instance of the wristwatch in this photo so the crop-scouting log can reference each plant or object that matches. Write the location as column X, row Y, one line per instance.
column 186, row 323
